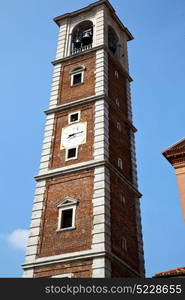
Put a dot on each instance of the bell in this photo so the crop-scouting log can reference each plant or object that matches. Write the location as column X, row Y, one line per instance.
column 86, row 38
column 86, row 35
column 77, row 43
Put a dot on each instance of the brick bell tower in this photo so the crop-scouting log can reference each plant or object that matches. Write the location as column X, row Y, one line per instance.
column 86, row 212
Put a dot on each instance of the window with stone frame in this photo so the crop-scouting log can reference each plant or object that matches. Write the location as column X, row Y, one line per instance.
column 71, row 153
column 77, row 75
column 66, row 214
column 124, row 244
column 74, row 117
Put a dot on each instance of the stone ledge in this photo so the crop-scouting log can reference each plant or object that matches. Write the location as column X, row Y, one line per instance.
column 69, row 169
column 73, row 103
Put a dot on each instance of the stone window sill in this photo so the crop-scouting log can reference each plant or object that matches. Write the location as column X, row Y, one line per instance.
column 66, row 229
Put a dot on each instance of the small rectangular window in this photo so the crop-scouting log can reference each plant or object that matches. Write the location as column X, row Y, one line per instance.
column 71, row 153
column 116, row 74
column 77, row 78
column 118, row 126
column 66, row 218
column 123, row 199
column 74, row 117
column 120, row 163
column 66, row 214
column 124, row 244
column 117, row 102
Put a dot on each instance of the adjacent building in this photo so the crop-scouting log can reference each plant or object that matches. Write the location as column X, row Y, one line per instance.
column 175, row 154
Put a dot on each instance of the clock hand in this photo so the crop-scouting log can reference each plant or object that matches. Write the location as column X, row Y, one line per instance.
column 71, row 135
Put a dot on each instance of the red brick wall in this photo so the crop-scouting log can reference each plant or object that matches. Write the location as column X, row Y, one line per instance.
column 82, row 269
column 119, row 143
column 85, row 151
column 80, row 187
column 119, row 270
column 123, row 222
column 117, row 87
column 87, row 89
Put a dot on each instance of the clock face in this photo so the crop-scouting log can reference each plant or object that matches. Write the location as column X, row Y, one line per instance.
column 73, row 135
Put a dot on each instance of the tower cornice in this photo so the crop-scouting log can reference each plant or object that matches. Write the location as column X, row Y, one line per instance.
column 85, row 101
column 88, row 254
column 85, row 166
column 73, row 104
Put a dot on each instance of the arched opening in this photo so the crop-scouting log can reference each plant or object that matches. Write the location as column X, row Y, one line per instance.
column 82, row 36
column 113, row 41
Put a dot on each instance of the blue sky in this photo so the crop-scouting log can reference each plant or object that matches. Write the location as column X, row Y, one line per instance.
column 157, row 65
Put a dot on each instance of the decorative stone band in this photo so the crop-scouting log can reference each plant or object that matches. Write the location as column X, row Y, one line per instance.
column 140, row 237
column 69, row 169
column 101, row 131
column 33, row 240
column 61, row 44
column 133, row 158
column 63, row 59
column 80, row 102
column 101, row 221
column 28, row 273
column 55, row 86
column 47, row 143
column 101, row 207
column 101, row 198
column 101, row 84
column 99, row 27
column 73, row 104
column 100, row 58
column 129, row 101
column 34, row 232
column 100, row 267
column 83, row 166
column 132, row 138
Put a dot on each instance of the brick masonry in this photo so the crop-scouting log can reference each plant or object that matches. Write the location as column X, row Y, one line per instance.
column 119, row 143
column 123, row 222
column 76, row 270
column 85, row 151
column 118, row 272
column 53, row 242
column 66, row 92
column 117, row 86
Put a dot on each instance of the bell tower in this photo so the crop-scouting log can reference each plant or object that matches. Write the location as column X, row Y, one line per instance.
column 86, row 212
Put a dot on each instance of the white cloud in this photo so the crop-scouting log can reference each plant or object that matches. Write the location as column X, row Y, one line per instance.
column 18, row 238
